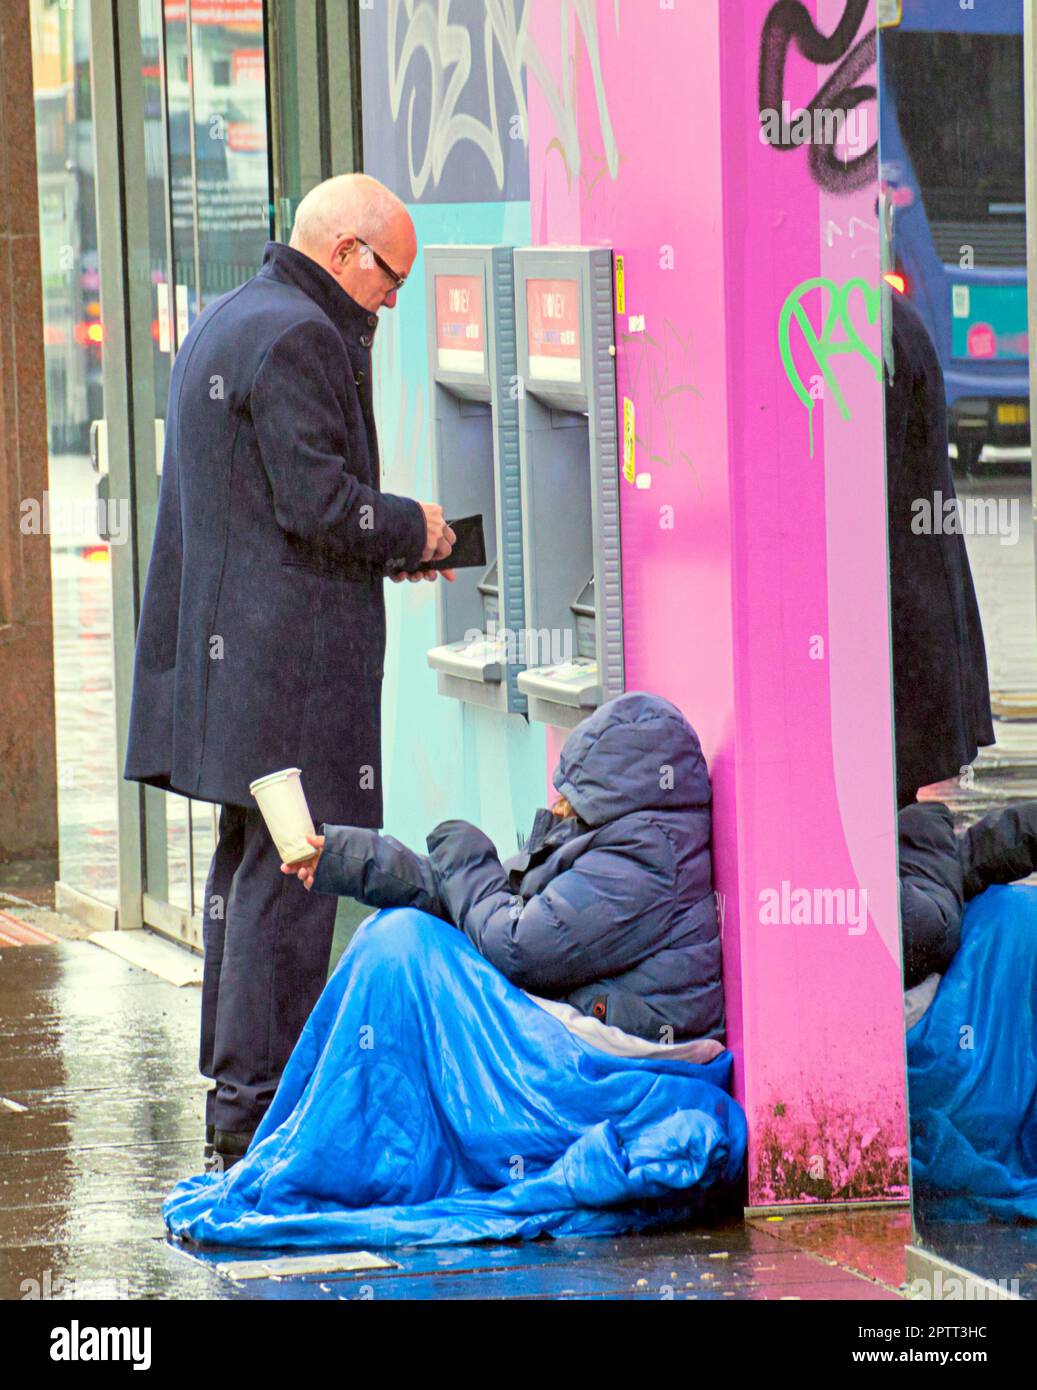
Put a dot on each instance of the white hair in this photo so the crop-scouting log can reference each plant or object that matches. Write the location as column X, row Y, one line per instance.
column 348, row 204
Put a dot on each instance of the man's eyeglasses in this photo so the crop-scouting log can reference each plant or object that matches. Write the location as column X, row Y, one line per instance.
column 398, row 280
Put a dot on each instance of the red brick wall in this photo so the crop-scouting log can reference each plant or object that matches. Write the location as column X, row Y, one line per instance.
column 28, row 778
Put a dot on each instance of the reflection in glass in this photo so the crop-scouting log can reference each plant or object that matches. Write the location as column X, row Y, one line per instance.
column 212, row 233
column 965, row 672
column 230, row 145
column 73, row 344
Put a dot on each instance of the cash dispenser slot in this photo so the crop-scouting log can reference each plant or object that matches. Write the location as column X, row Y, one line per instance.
column 482, row 657
column 570, row 482
column 479, row 617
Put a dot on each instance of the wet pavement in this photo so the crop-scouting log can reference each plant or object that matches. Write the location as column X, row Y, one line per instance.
column 98, row 1058
column 1004, row 1255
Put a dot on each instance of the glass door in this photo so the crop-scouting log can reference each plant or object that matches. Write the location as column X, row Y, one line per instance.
column 207, row 150
column 85, row 520
column 216, row 103
column 954, row 136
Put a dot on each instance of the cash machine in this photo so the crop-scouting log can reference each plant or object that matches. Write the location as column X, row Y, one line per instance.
column 569, row 470
column 473, row 373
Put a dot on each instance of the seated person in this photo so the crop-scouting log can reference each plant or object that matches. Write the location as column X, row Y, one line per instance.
column 431, row 1100
column 970, row 964
column 940, row 871
column 610, row 905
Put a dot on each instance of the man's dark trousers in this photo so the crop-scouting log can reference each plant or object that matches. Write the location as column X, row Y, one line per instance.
column 267, row 946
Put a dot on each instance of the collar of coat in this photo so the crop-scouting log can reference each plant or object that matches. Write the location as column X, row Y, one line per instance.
column 356, row 324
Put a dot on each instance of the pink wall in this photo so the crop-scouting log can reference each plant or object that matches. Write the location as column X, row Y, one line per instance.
column 742, row 552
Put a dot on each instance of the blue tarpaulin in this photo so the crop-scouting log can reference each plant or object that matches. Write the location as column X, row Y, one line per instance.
column 972, row 1069
column 429, row 1101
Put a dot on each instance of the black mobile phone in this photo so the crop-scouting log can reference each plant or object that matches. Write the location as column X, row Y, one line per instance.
column 469, row 550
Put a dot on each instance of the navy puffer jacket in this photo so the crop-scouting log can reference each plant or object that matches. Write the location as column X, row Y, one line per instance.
column 940, row 871
column 610, row 909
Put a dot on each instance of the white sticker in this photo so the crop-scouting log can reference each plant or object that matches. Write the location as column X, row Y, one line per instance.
column 163, row 317
column 183, row 313
column 637, row 323
column 960, row 298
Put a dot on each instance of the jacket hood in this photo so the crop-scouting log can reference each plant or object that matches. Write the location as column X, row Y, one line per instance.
column 636, row 753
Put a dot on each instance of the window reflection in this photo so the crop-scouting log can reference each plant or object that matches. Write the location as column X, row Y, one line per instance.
column 230, row 122
column 218, row 147
column 220, row 204
column 964, row 620
column 73, row 346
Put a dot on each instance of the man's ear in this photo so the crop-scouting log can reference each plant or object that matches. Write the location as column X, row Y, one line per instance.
column 341, row 253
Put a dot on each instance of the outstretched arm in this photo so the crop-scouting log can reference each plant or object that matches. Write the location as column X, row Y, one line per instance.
column 376, row 870
column 1000, row 848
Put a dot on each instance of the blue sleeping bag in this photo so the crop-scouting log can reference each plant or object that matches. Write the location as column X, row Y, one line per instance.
column 972, row 1069
column 430, row 1101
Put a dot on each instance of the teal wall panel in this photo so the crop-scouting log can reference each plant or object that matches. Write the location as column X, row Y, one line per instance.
column 441, row 759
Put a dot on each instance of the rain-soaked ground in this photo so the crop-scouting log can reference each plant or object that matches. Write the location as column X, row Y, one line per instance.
column 99, row 1059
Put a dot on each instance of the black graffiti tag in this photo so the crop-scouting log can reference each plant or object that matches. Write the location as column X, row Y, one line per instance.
column 790, row 22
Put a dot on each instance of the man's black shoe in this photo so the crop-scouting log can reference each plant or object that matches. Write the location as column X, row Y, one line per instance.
column 210, row 1140
column 227, row 1149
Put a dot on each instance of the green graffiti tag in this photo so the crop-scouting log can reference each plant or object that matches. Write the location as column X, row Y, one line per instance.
column 826, row 347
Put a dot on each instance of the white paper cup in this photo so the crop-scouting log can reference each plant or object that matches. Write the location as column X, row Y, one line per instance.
column 283, row 804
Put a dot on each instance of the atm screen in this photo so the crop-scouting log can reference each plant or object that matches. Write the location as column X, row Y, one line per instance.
column 553, row 316
column 489, row 587
column 584, row 613
column 460, row 324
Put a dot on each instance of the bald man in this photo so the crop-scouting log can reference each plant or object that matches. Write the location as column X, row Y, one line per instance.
column 262, row 632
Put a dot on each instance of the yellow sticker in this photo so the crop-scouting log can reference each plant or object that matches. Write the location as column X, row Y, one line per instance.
column 629, row 441
column 621, row 286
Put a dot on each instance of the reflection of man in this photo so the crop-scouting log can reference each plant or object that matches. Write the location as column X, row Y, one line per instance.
column 262, row 632
column 941, row 695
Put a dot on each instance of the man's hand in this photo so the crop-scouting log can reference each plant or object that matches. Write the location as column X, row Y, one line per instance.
column 439, row 539
column 304, row 869
column 430, row 575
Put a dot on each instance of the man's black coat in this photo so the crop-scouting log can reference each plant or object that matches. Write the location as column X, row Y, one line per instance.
column 262, row 631
column 941, row 694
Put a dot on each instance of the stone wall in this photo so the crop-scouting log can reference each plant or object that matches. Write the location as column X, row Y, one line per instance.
column 28, row 779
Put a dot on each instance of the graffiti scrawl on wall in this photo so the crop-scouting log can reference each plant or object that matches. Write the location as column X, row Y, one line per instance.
column 452, row 76
column 824, row 346
column 831, row 125
column 659, row 372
